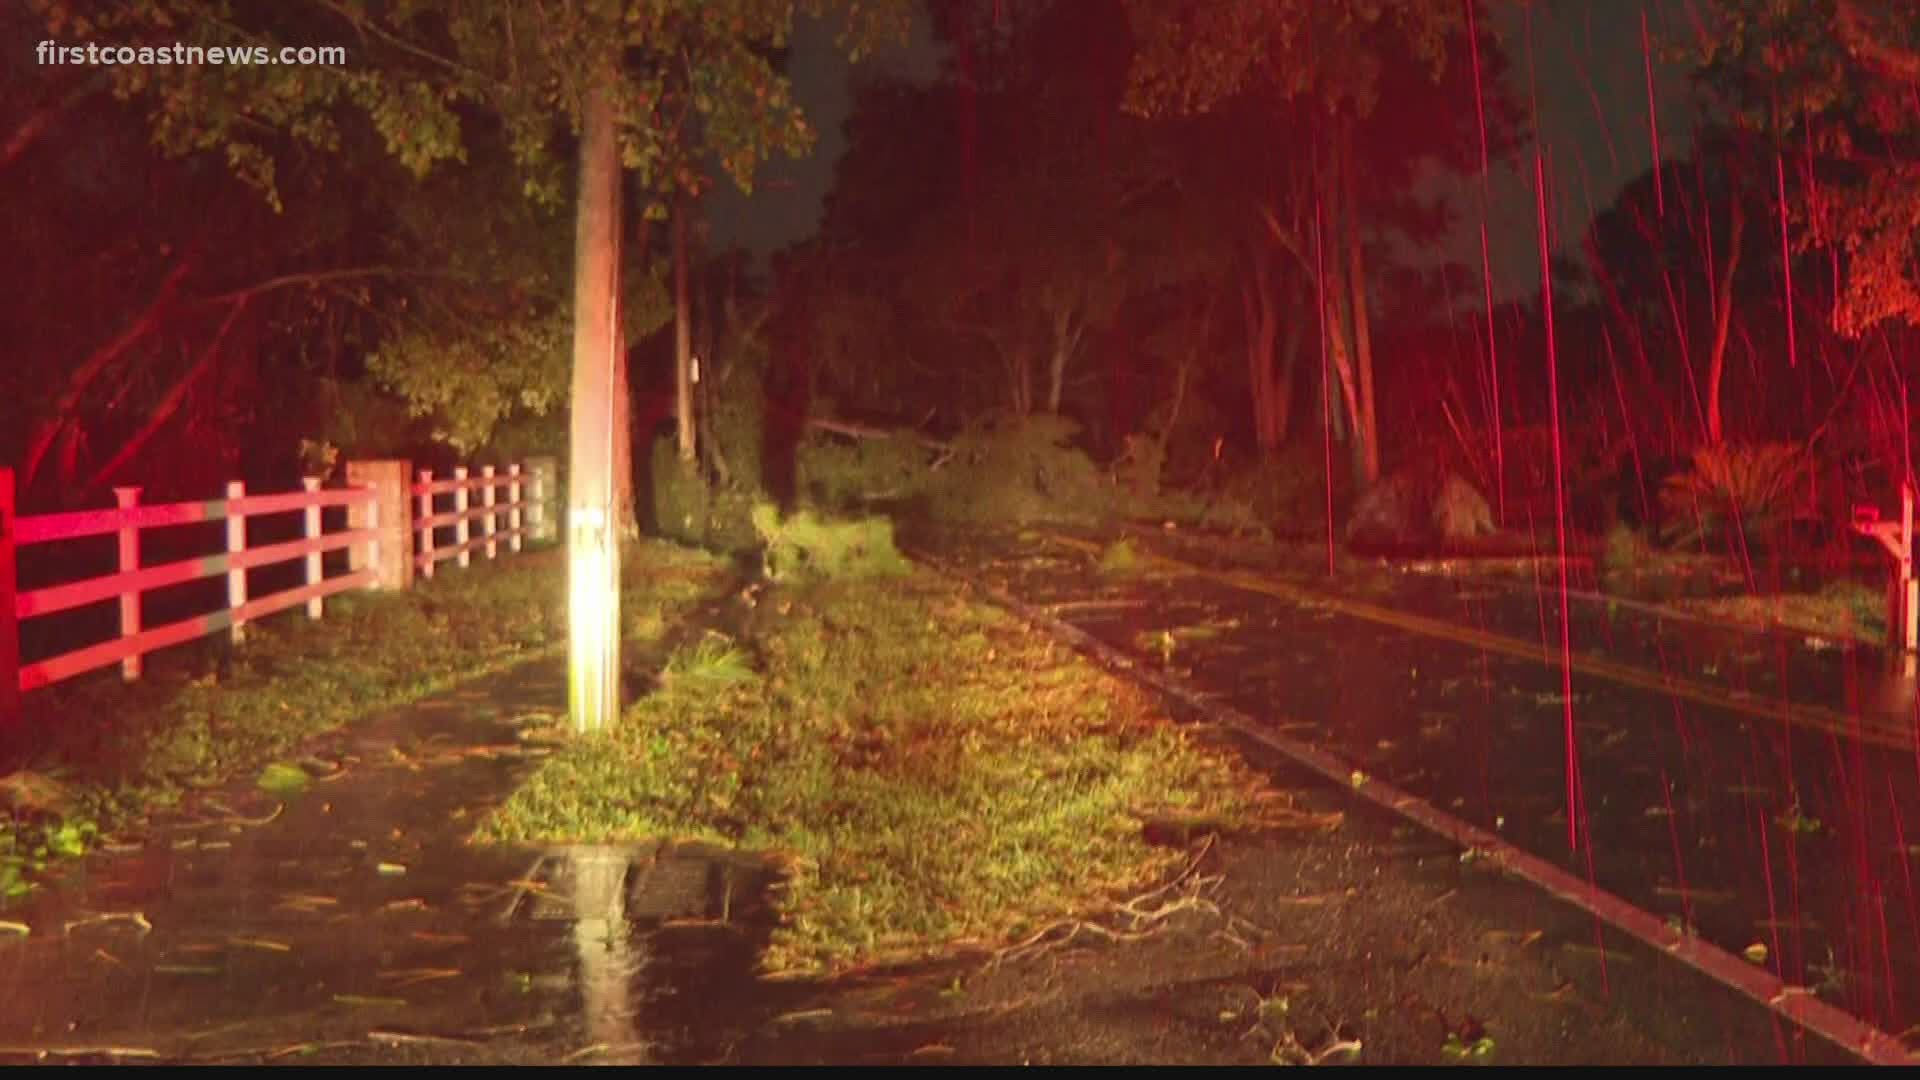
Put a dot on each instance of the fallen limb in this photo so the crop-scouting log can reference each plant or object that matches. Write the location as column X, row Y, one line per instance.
column 864, row 431
column 134, row 917
column 41, row 1053
column 235, row 819
column 405, row 1038
column 1142, row 923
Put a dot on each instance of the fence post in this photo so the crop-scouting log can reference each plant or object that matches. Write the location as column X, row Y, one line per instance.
column 389, row 553
column 487, row 500
column 9, row 625
column 461, row 533
column 236, row 546
column 546, row 523
column 372, row 519
column 513, row 508
column 316, row 573
column 425, row 548
column 128, row 498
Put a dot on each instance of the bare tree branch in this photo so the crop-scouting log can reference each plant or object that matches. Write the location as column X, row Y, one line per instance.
column 41, row 119
column 170, row 404
column 89, row 370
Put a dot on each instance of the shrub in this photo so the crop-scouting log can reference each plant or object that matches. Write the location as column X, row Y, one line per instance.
column 1756, row 486
column 843, row 474
column 1624, row 555
column 1460, row 512
column 737, row 416
column 1015, row 470
column 688, row 510
column 1859, row 607
column 804, row 547
column 1626, row 551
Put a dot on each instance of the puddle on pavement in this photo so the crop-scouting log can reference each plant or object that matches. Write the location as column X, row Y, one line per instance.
column 350, row 922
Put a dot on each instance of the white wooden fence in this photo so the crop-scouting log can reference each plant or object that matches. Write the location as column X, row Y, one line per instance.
column 462, row 514
column 505, row 508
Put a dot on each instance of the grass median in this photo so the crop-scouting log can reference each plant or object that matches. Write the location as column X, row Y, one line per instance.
column 934, row 773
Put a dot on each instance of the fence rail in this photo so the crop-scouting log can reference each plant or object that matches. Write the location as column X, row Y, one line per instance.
column 489, row 513
column 507, row 502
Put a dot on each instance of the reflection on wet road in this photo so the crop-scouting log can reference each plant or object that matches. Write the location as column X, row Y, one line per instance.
column 1791, row 843
column 350, row 921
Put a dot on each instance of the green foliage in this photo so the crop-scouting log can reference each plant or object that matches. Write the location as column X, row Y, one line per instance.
column 358, row 421
column 1843, row 608
column 1828, row 82
column 1759, row 487
column 688, row 509
column 681, row 501
column 1193, row 59
column 1286, row 492
column 1018, row 470
column 804, row 547
column 1856, row 608
column 1121, row 559
column 845, row 474
column 712, row 659
column 933, row 772
column 283, row 778
column 41, row 823
column 471, row 381
column 1456, row 1048
column 737, row 416
column 1624, row 554
column 414, row 68
column 29, row 847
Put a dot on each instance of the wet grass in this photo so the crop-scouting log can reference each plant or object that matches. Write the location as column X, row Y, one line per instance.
column 934, row 774
column 1843, row 609
column 106, row 752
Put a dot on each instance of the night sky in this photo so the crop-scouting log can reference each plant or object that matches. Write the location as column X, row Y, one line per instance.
column 1587, row 78
column 1590, row 84
column 787, row 207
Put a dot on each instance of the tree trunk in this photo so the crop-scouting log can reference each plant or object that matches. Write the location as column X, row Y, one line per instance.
column 593, row 555
column 1021, row 360
column 1283, row 390
column 1722, row 321
column 625, row 501
column 1345, row 419
column 1257, row 305
column 1366, row 443
column 626, row 512
column 682, row 336
column 1183, row 374
column 1336, row 301
column 1066, row 339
